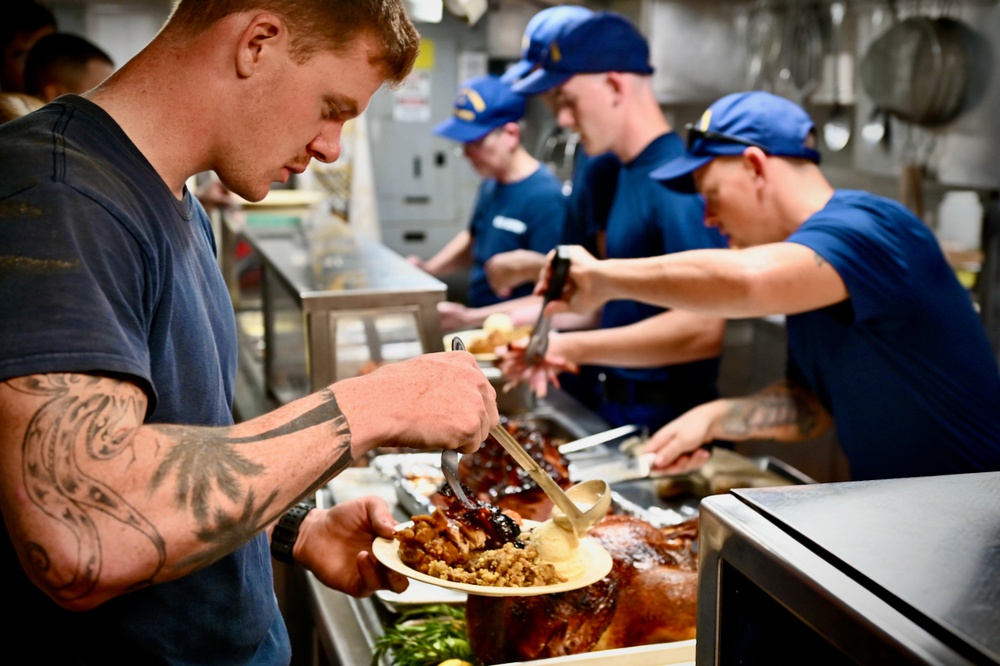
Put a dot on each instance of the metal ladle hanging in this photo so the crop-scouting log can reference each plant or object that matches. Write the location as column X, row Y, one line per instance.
column 837, row 130
column 878, row 130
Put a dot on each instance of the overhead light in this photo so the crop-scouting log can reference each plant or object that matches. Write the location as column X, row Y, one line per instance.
column 470, row 10
column 425, row 11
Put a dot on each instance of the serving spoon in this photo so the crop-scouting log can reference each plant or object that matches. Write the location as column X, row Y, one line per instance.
column 594, row 495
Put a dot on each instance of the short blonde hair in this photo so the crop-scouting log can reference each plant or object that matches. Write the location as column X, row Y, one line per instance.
column 318, row 25
column 15, row 105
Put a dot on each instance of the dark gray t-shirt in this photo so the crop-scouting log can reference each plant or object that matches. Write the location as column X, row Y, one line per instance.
column 103, row 270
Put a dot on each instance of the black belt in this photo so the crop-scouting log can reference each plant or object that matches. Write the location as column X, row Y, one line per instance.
column 627, row 391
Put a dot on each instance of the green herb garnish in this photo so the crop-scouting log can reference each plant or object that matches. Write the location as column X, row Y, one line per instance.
column 425, row 636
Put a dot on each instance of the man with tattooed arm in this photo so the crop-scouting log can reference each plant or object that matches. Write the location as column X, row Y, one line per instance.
column 882, row 339
column 137, row 514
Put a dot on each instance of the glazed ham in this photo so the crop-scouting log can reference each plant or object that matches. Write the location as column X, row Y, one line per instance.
column 650, row 596
column 498, row 480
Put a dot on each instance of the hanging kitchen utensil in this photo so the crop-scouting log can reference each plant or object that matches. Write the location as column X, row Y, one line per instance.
column 951, row 88
column 763, row 46
column 803, row 51
column 837, row 129
column 877, row 131
column 918, row 70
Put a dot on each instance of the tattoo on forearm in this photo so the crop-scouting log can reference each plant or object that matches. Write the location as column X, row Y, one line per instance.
column 200, row 459
column 757, row 415
column 80, row 423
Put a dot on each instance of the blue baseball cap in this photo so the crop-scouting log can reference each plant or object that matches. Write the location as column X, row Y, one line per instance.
column 539, row 32
column 601, row 42
column 483, row 103
column 774, row 124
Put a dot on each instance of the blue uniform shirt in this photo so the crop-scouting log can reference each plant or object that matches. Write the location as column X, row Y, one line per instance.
column 595, row 180
column 116, row 276
column 648, row 220
column 528, row 214
column 904, row 365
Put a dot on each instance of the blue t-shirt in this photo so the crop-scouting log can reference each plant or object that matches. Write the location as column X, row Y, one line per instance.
column 526, row 215
column 904, row 365
column 107, row 272
column 595, row 180
column 648, row 220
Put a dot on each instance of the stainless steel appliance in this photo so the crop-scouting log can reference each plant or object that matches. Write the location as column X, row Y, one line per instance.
column 336, row 306
column 899, row 571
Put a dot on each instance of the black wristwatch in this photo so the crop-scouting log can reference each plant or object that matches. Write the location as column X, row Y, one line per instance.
column 287, row 531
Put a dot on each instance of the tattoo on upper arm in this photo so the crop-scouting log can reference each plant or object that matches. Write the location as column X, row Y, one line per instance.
column 820, row 261
column 77, row 421
column 86, row 419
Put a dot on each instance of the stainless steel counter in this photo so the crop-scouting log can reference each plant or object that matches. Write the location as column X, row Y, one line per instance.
column 876, row 572
column 336, row 305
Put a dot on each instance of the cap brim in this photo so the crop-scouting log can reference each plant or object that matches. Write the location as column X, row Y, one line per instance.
column 540, row 81
column 676, row 174
column 460, row 130
column 517, row 71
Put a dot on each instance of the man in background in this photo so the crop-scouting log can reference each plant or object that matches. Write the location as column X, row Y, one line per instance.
column 24, row 23
column 63, row 63
column 594, row 178
column 650, row 365
column 883, row 341
column 520, row 204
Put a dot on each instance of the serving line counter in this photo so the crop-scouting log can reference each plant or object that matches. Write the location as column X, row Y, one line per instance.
column 345, row 627
column 333, row 306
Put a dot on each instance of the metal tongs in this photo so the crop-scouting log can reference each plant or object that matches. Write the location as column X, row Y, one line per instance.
column 449, row 457
column 538, row 344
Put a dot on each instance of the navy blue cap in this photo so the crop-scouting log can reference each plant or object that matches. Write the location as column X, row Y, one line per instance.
column 602, row 42
column 540, row 31
column 482, row 104
column 774, row 124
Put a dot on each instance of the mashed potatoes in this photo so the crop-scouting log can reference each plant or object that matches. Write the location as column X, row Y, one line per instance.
column 560, row 548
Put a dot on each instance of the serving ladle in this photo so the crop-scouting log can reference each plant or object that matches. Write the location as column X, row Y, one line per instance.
column 577, row 508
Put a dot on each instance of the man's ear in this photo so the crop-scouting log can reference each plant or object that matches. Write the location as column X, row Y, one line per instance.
column 755, row 161
column 513, row 130
column 616, row 82
column 262, row 34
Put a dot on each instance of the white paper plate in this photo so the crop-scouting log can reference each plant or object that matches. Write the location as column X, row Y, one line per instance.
column 598, row 561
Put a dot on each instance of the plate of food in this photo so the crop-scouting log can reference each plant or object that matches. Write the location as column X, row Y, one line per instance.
column 541, row 559
column 498, row 330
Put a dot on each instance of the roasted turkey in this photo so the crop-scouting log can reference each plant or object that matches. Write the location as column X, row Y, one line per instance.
column 650, row 596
